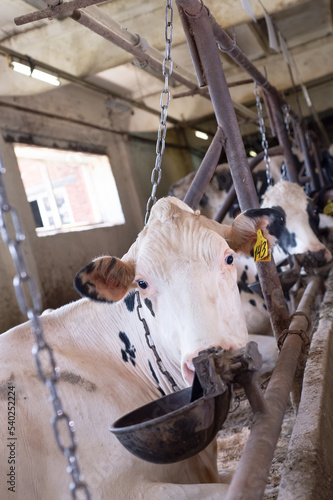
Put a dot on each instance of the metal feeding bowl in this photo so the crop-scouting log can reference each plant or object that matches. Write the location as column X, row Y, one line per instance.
column 182, row 424
column 172, row 428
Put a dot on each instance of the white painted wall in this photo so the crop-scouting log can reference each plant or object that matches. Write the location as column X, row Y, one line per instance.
column 54, row 260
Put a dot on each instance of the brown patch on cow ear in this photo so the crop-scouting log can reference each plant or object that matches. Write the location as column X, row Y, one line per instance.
column 105, row 279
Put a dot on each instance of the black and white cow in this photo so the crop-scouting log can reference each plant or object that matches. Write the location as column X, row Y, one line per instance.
column 182, row 265
column 220, row 184
column 299, row 237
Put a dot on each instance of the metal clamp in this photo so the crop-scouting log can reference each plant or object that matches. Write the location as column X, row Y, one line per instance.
column 302, row 333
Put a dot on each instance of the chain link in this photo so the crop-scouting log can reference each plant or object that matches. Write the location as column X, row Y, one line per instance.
column 286, row 116
column 152, row 346
column 262, row 129
column 29, row 301
column 164, row 103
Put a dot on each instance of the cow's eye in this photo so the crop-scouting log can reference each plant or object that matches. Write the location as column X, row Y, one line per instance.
column 229, row 259
column 143, row 284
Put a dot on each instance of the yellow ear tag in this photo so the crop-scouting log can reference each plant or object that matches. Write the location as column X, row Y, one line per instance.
column 328, row 209
column 261, row 251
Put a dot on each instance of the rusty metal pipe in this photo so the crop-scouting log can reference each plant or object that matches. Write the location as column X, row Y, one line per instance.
column 316, row 156
column 307, row 161
column 64, row 9
column 205, row 172
column 200, row 25
column 231, row 195
column 249, row 480
column 193, row 50
column 101, row 23
column 226, row 44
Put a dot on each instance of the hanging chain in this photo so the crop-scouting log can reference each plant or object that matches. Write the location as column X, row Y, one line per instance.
column 29, row 301
column 164, row 103
column 286, row 116
column 262, row 129
column 152, row 346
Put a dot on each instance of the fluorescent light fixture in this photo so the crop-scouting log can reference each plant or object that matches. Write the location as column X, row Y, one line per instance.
column 252, row 153
column 24, row 69
column 201, row 135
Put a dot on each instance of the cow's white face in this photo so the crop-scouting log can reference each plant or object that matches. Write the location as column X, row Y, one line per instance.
column 183, row 267
column 298, row 236
column 190, row 279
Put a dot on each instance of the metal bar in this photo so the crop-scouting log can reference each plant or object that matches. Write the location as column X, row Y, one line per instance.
column 226, row 44
column 307, row 162
column 205, row 172
column 193, row 50
column 101, row 23
column 64, row 9
column 316, row 156
column 231, row 195
column 205, row 91
column 201, row 26
column 249, row 480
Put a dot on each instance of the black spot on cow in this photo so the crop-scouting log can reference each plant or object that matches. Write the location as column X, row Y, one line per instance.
column 128, row 354
column 246, row 267
column 286, row 239
column 276, row 216
column 204, row 201
column 87, row 289
column 253, row 303
column 313, row 216
column 242, row 284
column 260, row 182
column 130, row 301
column 224, row 180
column 150, row 306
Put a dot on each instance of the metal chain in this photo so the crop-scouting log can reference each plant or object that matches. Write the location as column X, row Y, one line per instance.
column 286, row 116
column 152, row 346
column 29, row 301
column 240, row 396
column 262, row 129
column 164, row 103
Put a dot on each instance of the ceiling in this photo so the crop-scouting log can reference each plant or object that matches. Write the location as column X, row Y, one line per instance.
column 82, row 57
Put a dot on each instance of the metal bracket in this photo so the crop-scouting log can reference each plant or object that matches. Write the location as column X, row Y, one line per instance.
column 302, row 333
column 216, row 368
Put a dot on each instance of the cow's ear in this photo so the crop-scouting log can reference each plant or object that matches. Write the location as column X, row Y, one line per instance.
column 106, row 279
column 243, row 234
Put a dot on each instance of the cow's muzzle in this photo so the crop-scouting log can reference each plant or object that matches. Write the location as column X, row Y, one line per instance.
column 312, row 260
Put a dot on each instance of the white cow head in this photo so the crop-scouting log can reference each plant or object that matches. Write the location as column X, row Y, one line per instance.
column 182, row 265
column 299, row 235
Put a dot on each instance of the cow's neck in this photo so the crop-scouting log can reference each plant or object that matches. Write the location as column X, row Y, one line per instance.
column 111, row 334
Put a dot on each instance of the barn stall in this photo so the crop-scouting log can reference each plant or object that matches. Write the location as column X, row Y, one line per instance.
column 108, row 105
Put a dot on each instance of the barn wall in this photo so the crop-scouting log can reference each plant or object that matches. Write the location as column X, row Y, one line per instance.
column 71, row 117
column 54, row 260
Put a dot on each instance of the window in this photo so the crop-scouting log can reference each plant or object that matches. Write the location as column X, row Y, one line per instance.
column 67, row 190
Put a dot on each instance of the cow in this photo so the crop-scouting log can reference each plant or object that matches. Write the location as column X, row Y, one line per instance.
column 182, row 265
column 221, row 182
column 299, row 238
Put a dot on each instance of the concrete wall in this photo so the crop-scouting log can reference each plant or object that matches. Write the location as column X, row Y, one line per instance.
column 54, row 260
column 71, row 117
